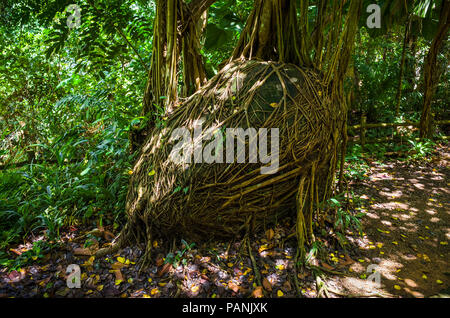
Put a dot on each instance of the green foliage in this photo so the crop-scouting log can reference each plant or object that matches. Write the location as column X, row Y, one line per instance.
column 357, row 166
column 71, row 131
column 421, row 149
column 226, row 20
column 35, row 254
column 346, row 215
column 175, row 259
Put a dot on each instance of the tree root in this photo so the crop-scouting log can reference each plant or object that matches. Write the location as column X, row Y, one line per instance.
column 107, row 250
column 296, row 284
column 119, row 242
column 320, row 268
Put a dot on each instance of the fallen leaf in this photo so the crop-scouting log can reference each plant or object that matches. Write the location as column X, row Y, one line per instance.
column 63, row 292
column 89, row 262
column 15, row 251
column 397, row 287
column 287, row 286
column 326, row 266
column 154, row 291
column 119, row 277
column 165, row 269
column 159, row 262
column 270, row 234
column 262, row 248
column 267, row 285
column 117, row 265
column 14, row 276
column 233, row 286
column 280, row 293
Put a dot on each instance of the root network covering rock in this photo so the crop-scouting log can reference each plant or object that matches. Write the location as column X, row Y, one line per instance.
column 199, row 200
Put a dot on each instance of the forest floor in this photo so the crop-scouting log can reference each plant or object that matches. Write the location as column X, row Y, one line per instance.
column 402, row 251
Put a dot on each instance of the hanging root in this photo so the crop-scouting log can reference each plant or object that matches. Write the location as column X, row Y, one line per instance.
column 308, row 202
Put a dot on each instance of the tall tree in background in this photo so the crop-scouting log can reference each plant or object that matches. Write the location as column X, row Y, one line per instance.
column 402, row 67
column 431, row 74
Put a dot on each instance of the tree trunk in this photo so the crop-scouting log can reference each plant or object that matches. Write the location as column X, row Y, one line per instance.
column 398, row 96
column 431, row 75
column 272, row 33
column 176, row 33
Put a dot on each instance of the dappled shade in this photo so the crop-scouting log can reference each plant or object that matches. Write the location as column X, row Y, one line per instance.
column 200, row 200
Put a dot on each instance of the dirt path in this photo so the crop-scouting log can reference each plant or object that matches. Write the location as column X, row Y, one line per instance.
column 407, row 231
column 406, row 235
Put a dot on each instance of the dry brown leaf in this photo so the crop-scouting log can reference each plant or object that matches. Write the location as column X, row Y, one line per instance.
column 108, row 235
column 287, row 286
column 326, row 266
column 270, row 234
column 117, row 265
column 165, row 269
column 159, row 261
column 258, row 292
column 118, row 274
column 233, row 286
column 347, row 261
column 267, row 285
